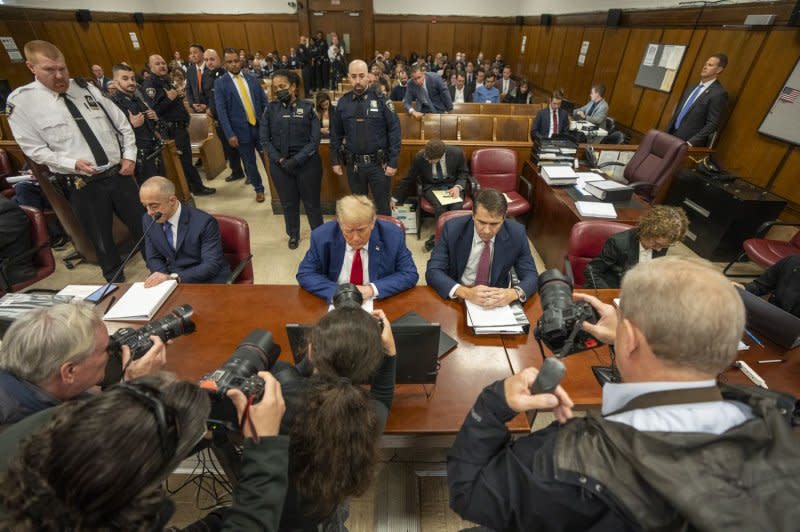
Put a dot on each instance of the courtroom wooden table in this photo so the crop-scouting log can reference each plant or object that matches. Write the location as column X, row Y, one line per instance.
column 554, row 214
column 225, row 314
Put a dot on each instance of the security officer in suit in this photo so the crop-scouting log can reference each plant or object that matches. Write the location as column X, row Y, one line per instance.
column 214, row 70
column 290, row 135
column 368, row 125
column 162, row 96
column 304, row 63
column 143, row 120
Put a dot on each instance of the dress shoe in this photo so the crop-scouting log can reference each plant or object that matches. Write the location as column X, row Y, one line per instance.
column 293, row 243
column 260, row 197
column 233, row 177
column 247, row 181
column 205, row 191
column 430, row 243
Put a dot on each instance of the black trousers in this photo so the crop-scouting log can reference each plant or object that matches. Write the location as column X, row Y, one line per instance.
column 438, row 208
column 371, row 176
column 184, row 146
column 302, row 184
column 231, row 154
column 95, row 206
column 308, row 81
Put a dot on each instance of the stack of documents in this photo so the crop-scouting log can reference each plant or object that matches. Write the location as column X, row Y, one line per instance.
column 596, row 209
column 140, row 303
column 445, row 198
column 501, row 320
column 559, row 175
column 586, row 177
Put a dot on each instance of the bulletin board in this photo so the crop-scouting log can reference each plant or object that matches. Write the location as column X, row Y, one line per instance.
column 783, row 117
column 659, row 66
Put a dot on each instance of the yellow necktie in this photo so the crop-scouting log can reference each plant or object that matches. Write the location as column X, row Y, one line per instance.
column 248, row 104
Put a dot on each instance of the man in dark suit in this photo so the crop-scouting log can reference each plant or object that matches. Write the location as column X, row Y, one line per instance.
column 437, row 168
column 702, row 108
column 100, row 80
column 461, row 92
column 186, row 245
column 15, row 241
column 195, row 79
column 239, row 103
column 426, row 93
column 552, row 120
column 360, row 249
column 212, row 72
column 473, row 258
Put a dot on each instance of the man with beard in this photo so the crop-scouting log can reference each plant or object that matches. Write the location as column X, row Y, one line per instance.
column 213, row 71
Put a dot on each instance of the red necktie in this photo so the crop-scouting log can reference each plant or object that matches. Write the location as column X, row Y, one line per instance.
column 357, row 271
column 555, row 123
column 482, row 276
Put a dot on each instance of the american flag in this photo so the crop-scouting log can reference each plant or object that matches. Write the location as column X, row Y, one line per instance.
column 789, row 94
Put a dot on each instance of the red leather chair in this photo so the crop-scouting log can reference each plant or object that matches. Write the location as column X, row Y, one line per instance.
column 765, row 251
column 497, row 168
column 393, row 220
column 425, row 206
column 235, row 234
column 40, row 253
column 586, row 241
column 449, row 215
column 654, row 165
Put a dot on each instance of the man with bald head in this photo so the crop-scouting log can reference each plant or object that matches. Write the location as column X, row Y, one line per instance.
column 186, row 245
column 167, row 101
column 100, row 79
column 213, row 71
column 365, row 128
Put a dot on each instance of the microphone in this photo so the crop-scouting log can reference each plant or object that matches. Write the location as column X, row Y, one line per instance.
column 156, row 216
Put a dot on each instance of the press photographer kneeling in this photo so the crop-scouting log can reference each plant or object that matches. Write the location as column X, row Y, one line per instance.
column 671, row 450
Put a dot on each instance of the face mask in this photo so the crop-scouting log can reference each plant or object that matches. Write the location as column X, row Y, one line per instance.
column 284, row 96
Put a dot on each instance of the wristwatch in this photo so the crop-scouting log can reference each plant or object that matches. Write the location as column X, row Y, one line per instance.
column 175, row 276
column 520, row 294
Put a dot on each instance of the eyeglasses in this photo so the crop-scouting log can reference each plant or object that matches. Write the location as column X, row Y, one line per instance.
column 165, row 418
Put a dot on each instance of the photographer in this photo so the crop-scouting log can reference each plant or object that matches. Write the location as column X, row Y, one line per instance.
column 54, row 354
column 333, row 423
column 671, row 450
column 69, row 474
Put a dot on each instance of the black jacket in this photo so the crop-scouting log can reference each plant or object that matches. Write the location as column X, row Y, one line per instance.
column 782, row 282
column 619, row 254
column 15, row 240
column 421, row 172
column 705, row 117
column 468, row 90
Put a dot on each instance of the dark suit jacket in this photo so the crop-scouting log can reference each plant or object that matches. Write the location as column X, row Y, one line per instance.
column 15, row 240
column 209, row 78
column 468, row 90
column 541, row 125
column 230, row 109
column 619, row 254
column 391, row 268
column 456, row 173
column 195, row 94
column 705, row 116
column 197, row 257
column 511, row 249
column 439, row 100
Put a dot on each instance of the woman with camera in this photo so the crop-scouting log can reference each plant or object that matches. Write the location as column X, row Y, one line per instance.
column 333, row 423
column 100, row 463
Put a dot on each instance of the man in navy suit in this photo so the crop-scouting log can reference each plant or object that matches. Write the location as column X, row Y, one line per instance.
column 428, row 91
column 185, row 245
column 239, row 103
column 474, row 256
column 196, row 79
column 360, row 249
column 701, row 111
column 100, row 79
column 552, row 120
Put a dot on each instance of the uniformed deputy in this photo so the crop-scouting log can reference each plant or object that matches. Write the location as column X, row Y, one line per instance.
column 304, row 63
column 85, row 140
column 214, row 70
column 321, row 63
column 366, row 121
column 290, row 135
column 162, row 96
column 143, row 119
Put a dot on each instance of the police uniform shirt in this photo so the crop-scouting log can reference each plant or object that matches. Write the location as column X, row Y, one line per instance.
column 290, row 131
column 369, row 124
column 145, row 135
column 155, row 93
column 47, row 133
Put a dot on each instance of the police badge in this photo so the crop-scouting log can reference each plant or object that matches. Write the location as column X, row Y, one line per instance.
column 151, row 92
column 9, row 109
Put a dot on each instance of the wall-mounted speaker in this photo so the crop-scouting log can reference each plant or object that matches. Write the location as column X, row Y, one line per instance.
column 614, row 16
column 138, row 18
column 83, row 15
column 794, row 18
column 545, row 20
column 520, row 20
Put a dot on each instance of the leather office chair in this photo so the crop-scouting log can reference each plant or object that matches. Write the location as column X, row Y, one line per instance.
column 654, row 165
column 393, row 220
column 497, row 168
column 449, row 215
column 40, row 253
column 235, row 235
column 765, row 251
column 586, row 241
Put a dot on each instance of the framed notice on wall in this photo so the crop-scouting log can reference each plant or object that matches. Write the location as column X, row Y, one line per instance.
column 783, row 117
column 659, row 66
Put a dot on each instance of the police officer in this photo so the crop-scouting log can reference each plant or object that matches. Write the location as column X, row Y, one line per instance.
column 304, row 62
column 290, row 135
column 143, row 120
column 214, row 70
column 162, row 96
column 368, row 124
column 86, row 141
column 319, row 53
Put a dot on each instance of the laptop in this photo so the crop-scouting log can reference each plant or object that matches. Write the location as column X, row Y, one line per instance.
column 417, row 349
column 780, row 326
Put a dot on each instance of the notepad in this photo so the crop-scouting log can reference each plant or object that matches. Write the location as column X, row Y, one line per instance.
column 492, row 320
column 596, row 209
column 445, row 198
column 140, row 303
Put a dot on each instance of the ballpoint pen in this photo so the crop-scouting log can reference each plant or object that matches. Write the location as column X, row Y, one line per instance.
column 752, row 337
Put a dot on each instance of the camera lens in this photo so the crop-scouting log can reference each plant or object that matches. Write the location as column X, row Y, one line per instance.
column 347, row 295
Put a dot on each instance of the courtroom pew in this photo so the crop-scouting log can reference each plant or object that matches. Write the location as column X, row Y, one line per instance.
column 449, row 127
column 206, row 145
column 472, row 108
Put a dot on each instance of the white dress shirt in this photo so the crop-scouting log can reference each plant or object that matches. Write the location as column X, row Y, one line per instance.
column 645, row 254
column 347, row 266
column 174, row 219
column 471, row 270
column 458, row 95
column 506, row 83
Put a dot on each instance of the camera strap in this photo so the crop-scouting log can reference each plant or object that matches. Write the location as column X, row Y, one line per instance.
column 709, row 394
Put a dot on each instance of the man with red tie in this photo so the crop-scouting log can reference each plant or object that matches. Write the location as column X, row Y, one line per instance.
column 552, row 120
column 360, row 249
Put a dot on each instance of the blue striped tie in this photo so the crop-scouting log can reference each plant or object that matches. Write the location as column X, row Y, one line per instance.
column 689, row 101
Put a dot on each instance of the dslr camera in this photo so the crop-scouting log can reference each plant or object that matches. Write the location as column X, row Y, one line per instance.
column 175, row 324
column 347, row 295
column 559, row 328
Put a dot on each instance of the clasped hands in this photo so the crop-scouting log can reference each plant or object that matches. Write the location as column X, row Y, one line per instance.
column 487, row 296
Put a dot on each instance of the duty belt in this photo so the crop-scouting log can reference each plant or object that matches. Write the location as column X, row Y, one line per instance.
column 79, row 181
column 366, row 158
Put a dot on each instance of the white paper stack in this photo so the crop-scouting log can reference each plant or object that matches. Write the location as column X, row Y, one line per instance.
column 140, row 303
column 492, row 320
column 596, row 209
column 559, row 175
